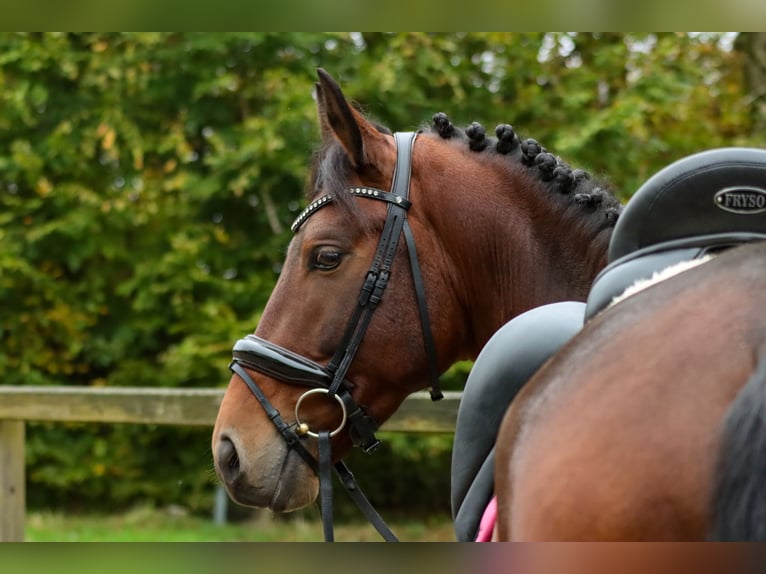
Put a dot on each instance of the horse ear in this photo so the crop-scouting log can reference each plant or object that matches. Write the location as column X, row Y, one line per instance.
column 340, row 120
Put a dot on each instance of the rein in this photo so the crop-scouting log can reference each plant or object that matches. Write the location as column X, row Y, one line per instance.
column 284, row 365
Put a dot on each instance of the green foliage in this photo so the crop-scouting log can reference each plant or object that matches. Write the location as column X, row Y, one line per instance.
column 147, row 181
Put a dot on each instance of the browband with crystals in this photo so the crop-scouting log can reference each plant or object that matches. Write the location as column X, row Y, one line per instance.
column 327, row 198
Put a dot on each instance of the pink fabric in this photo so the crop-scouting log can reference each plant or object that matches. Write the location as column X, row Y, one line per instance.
column 487, row 524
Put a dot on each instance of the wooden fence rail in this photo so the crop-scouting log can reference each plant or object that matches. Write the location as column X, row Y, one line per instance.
column 141, row 405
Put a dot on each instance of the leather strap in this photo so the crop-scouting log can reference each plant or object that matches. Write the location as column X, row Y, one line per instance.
column 405, row 142
column 321, row 467
column 325, row 485
column 378, row 275
column 288, row 433
column 327, row 198
column 284, row 365
column 349, row 483
column 380, row 271
column 425, row 320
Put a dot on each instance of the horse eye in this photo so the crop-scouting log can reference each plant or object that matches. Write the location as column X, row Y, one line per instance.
column 326, row 260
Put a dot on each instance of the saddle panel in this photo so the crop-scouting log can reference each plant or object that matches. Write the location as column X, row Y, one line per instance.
column 505, row 364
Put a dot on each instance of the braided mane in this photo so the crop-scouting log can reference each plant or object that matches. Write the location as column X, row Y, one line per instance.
column 574, row 185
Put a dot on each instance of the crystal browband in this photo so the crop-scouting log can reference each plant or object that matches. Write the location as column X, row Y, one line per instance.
column 327, row 198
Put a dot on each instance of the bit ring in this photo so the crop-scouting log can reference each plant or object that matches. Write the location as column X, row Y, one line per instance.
column 305, row 426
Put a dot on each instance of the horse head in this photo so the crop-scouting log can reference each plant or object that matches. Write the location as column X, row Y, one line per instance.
column 495, row 227
column 310, row 308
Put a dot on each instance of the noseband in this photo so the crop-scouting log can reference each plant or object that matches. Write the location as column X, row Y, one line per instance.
column 284, row 365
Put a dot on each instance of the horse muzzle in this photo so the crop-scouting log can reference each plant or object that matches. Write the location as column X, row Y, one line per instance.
column 275, row 478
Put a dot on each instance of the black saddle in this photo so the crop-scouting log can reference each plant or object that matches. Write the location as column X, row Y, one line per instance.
column 701, row 204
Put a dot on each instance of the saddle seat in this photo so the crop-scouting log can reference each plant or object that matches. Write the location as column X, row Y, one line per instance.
column 683, row 212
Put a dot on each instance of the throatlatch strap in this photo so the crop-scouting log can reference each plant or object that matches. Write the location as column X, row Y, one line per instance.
column 425, row 320
column 325, row 485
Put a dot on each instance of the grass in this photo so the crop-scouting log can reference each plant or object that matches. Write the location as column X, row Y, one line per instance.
column 145, row 524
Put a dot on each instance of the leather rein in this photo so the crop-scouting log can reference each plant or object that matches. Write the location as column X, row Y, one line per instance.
column 284, row 365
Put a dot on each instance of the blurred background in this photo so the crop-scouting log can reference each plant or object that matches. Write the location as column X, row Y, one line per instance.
column 148, row 180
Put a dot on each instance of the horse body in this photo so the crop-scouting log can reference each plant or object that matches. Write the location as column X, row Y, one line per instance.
column 497, row 234
column 618, row 437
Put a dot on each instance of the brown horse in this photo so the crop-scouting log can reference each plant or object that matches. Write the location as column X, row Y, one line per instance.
column 651, row 423
column 500, row 226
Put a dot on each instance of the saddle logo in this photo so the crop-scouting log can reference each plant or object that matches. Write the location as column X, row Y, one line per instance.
column 744, row 200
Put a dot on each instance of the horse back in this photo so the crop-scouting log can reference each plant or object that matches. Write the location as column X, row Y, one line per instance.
column 617, row 436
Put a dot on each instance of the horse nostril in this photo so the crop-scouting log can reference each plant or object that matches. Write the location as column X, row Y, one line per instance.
column 228, row 460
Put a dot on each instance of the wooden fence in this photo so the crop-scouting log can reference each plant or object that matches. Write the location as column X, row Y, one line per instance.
column 142, row 405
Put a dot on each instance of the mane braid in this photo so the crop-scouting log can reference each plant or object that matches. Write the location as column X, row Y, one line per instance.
column 599, row 208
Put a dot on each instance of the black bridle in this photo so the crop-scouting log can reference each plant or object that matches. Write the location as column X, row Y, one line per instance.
column 284, row 365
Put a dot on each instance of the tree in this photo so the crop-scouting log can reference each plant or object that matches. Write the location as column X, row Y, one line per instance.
column 753, row 47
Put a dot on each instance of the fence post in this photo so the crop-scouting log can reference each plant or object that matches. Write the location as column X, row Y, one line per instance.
column 12, row 481
column 220, row 505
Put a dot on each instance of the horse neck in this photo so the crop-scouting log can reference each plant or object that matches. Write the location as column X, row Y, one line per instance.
column 511, row 249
